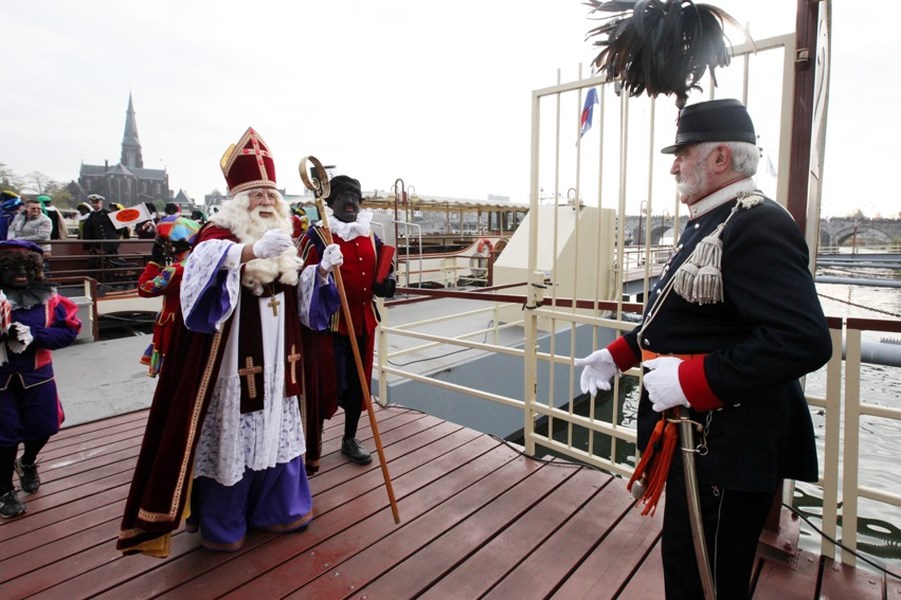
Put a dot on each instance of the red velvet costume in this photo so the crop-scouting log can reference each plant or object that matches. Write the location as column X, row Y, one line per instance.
column 161, row 281
column 323, row 375
column 174, row 239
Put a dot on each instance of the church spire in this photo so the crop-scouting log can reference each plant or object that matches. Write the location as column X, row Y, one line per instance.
column 131, row 145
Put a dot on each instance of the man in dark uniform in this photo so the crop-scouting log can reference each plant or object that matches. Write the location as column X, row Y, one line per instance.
column 98, row 226
column 730, row 327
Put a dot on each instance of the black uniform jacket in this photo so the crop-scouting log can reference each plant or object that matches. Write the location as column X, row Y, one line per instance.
column 768, row 331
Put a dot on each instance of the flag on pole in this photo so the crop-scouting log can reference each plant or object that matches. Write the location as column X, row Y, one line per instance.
column 130, row 216
column 770, row 167
column 588, row 111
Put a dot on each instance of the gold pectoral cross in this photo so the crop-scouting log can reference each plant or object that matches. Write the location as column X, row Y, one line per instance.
column 249, row 371
column 273, row 304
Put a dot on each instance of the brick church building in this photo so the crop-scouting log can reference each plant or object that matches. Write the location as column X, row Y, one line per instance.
column 127, row 182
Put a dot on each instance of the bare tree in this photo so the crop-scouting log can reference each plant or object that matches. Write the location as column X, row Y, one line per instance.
column 9, row 179
column 40, row 183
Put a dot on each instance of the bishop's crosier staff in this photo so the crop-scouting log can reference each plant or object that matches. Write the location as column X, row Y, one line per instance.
column 320, row 188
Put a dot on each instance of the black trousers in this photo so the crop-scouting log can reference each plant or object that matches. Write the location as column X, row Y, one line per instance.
column 350, row 395
column 733, row 521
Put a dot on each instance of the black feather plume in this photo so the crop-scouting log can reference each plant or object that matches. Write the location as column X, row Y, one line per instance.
column 660, row 46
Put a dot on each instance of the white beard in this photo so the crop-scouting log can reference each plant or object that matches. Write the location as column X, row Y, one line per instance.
column 694, row 184
column 249, row 227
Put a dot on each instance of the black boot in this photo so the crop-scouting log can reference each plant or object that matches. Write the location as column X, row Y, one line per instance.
column 28, row 476
column 10, row 505
column 26, row 465
column 352, row 448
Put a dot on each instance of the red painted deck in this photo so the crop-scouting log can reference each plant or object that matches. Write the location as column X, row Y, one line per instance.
column 478, row 519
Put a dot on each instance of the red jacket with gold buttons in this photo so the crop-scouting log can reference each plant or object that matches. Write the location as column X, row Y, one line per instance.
column 357, row 273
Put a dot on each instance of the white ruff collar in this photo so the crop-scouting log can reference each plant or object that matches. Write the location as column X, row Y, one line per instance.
column 720, row 197
column 349, row 231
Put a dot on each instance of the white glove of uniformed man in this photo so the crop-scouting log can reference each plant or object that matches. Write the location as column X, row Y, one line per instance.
column 599, row 370
column 273, row 243
column 662, row 383
column 331, row 258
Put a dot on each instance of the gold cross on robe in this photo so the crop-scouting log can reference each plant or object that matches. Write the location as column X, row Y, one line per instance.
column 249, row 371
column 292, row 359
column 273, row 304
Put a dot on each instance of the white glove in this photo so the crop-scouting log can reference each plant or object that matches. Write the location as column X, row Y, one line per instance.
column 331, row 258
column 662, row 383
column 23, row 333
column 22, row 337
column 599, row 370
column 273, row 243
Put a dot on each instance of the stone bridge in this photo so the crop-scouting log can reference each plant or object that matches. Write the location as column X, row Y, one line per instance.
column 846, row 231
column 835, row 231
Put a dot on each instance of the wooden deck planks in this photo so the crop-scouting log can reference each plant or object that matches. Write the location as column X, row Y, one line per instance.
column 647, row 580
column 623, row 546
column 207, row 573
column 348, row 518
column 478, row 519
column 493, row 561
column 447, row 550
column 546, row 569
column 421, row 492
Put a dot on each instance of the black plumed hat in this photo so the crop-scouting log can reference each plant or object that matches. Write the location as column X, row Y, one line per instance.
column 713, row 121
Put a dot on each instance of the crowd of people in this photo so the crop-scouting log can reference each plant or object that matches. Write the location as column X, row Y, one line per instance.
column 38, row 220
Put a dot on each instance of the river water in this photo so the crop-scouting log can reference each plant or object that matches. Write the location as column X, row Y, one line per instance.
column 879, row 526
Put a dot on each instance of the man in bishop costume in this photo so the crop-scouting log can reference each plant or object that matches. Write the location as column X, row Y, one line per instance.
column 224, row 441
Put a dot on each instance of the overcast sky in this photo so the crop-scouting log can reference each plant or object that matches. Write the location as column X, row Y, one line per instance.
column 437, row 93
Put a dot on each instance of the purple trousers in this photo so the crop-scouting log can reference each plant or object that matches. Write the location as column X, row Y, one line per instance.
column 27, row 413
column 276, row 499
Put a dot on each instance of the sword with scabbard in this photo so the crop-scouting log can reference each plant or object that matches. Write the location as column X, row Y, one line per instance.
column 687, row 435
column 319, row 185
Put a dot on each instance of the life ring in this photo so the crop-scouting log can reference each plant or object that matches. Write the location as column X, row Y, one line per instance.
column 484, row 243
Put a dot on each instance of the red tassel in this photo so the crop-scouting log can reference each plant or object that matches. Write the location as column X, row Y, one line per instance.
column 648, row 453
column 660, row 470
column 656, row 461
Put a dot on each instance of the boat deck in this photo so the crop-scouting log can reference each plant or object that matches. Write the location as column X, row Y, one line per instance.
column 478, row 519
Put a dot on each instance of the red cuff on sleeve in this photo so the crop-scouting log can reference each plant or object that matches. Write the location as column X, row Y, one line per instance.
column 694, row 386
column 622, row 354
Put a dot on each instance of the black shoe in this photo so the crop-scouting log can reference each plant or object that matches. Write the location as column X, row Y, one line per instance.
column 357, row 453
column 28, row 476
column 10, row 506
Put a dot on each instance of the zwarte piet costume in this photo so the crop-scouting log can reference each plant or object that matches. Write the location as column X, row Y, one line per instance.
column 34, row 321
column 331, row 373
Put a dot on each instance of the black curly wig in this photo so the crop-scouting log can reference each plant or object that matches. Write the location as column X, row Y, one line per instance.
column 11, row 259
